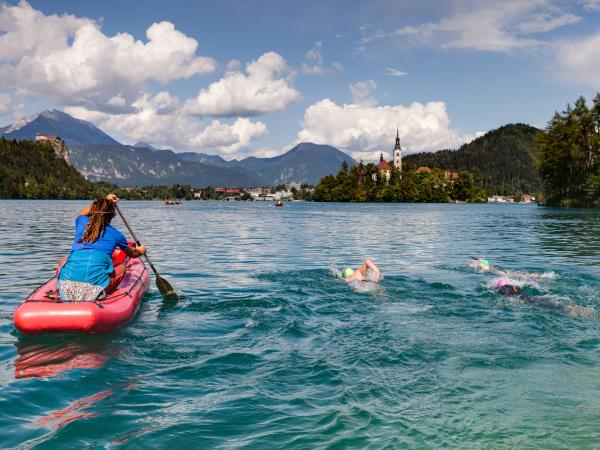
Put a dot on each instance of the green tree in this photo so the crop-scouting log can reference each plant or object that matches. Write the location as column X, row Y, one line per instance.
column 567, row 155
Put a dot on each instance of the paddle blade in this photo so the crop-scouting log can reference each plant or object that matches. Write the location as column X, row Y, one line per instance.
column 165, row 288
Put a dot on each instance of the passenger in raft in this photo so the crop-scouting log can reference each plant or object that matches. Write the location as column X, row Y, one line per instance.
column 88, row 269
column 367, row 272
column 509, row 290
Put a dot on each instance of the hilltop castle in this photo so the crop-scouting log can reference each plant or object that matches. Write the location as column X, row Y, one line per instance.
column 57, row 144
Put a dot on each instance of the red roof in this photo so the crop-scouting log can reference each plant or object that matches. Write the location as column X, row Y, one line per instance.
column 450, row 175
column 383, row 164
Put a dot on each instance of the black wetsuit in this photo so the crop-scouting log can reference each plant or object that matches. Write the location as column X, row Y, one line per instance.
column 514, row 291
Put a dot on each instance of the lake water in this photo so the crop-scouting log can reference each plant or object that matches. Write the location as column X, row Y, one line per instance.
column 267, row 349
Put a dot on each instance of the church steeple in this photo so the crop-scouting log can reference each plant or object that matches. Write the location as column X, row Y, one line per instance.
column 398, row 153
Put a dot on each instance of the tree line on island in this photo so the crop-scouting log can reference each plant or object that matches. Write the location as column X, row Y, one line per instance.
column 366, row 183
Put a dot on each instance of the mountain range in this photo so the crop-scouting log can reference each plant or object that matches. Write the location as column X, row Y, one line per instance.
column 57, row 123
column 99, row 157
column 305, row 163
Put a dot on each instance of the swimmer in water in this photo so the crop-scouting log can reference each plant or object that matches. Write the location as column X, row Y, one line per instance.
column 484, row 265
column 360, row 274
column 509, row 290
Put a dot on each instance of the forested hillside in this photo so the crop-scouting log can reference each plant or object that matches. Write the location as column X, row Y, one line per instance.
column 33, row 170
column 501, row 161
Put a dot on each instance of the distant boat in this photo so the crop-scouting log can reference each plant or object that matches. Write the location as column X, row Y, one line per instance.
column 173, row 202
column 278, row 203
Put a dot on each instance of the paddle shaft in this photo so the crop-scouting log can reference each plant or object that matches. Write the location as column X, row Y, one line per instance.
column 135, row 238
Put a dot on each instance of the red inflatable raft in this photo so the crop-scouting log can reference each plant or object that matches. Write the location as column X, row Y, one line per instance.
column 44, row 312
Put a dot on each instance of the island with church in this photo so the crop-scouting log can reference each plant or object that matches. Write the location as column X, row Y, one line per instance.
column 389, row 181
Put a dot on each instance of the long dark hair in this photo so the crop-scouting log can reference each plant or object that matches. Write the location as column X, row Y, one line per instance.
column 101, row 213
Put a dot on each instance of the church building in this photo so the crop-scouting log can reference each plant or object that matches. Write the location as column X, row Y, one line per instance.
column 385, row 169
column 398, row 153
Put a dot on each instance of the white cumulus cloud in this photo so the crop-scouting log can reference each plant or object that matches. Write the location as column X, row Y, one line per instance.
column 228, row 139
column 314, row 54
column 71, row 60
column 361, row 93
column 367, row 130
column 314, row 64
column 5, row 102
column 581, row 60
column 266, row 87
column 161, row 121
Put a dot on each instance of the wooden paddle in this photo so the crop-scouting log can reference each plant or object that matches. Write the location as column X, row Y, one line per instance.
column 163, row 285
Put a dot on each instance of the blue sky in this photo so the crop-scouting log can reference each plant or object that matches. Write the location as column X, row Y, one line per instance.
column 238, row 77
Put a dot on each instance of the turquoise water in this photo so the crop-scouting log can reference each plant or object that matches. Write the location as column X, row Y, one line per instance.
column 267, row 349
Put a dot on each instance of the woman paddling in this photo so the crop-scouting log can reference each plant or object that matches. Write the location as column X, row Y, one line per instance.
column 89, row 267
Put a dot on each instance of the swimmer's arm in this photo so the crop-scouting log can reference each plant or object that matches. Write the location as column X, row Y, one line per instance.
column 362, row 269
column 371, row 265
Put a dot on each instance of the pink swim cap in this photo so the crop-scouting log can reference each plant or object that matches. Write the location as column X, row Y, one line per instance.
column 501, row 282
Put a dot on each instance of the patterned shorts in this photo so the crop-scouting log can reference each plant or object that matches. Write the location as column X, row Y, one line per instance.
column 77, row 291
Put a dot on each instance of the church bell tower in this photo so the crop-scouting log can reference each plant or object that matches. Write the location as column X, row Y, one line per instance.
column 398, row 153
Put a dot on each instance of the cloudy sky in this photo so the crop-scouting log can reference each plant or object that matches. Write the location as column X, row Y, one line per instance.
column 240, row 78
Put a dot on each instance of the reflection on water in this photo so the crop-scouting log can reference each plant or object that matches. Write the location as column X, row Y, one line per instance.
column 75, row 411
column 49, row 356
column 268, row 349
column 570, row 232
